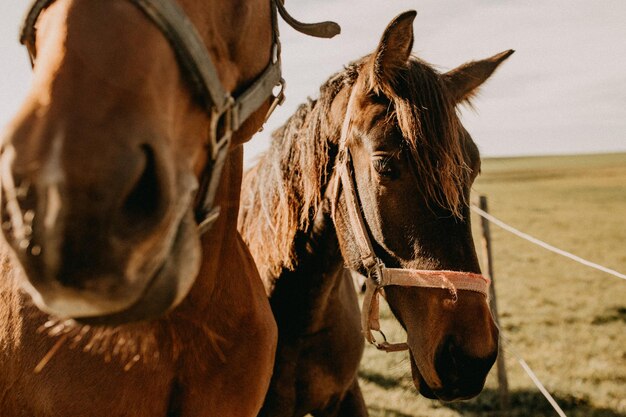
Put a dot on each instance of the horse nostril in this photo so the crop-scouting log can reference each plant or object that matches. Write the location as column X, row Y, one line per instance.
column 143, row 204
column 462, row 375
column 447, row 362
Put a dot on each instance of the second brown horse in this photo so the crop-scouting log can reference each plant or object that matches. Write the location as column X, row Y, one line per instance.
column 414, row 164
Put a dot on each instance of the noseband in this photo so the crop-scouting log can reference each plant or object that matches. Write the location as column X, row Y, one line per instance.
column 378, row 275
column 228, row 113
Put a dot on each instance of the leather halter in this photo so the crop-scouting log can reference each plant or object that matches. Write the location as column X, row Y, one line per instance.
column 228, row 113
column 378, row 275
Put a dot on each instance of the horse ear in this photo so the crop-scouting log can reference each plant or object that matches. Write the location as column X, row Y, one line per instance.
column 463, row 81
column 393, row 50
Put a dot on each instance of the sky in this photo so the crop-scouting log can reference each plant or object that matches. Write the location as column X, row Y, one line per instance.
column 562, row 92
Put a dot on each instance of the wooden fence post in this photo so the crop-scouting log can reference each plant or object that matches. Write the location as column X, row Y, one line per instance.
column 503, row 383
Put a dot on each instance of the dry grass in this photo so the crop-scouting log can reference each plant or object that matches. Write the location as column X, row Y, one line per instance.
column 566, row 320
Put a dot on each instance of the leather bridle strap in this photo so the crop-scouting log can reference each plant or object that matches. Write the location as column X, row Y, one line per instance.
column 194, row 58
column 228, row 113
column 319, row 30
column 190, row 50
column 363, row 241
column 378, row 275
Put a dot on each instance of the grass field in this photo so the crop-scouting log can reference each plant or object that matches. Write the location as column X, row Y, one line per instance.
column 566, row 320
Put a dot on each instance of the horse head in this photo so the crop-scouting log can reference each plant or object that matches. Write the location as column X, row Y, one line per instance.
column 413, row 164
column 100, row 168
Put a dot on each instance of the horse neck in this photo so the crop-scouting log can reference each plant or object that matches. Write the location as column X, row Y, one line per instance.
column 302, row 298
column 317, row 250
column 221, row 244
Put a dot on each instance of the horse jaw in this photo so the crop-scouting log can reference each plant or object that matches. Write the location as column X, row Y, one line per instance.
column 418, row 380
column 168, row 286
column 163, row 290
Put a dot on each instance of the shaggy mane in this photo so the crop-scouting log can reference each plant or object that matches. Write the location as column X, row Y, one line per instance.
column 284, row 191
column 426, row 115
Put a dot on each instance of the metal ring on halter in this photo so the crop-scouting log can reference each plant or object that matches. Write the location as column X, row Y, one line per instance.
column 376, row 343
column 279, row 99
column 207, row 213
column 230, row 119
column 375, row 272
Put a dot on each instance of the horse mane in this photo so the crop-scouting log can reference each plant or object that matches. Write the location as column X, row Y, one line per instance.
column 426, row 115
column 283, row 192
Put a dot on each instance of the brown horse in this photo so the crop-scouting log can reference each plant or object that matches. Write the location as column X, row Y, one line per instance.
column 99, row 174
column 413, row 165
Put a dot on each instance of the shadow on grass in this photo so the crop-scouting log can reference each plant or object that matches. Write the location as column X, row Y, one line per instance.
column 387, row 412
column 528, row 403
column 379, row 379
column 523, row 403
column 614, row 314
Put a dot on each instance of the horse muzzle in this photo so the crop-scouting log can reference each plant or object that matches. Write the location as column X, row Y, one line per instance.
column 457, row 375
column 88, row 262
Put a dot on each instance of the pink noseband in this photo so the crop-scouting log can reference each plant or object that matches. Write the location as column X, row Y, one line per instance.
column 451, row 281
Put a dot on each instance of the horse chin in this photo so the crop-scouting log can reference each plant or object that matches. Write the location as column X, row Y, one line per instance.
column 442, row 393
column 420, row 383
column 149, row 299
column 169, row 285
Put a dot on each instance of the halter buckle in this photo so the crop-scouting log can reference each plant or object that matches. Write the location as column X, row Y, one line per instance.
column 279, row 99
column 375, row 271
column 379, row 345
column 207, row 214
column 230, row 118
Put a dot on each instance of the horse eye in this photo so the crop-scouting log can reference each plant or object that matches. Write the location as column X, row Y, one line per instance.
column 386, row 168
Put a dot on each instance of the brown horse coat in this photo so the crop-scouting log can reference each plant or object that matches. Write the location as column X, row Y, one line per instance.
column 413, row 165
column 106, row 82
column 214, row 351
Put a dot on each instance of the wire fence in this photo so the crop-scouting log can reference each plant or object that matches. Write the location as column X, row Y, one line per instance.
column 533, row 376
column 545, row 245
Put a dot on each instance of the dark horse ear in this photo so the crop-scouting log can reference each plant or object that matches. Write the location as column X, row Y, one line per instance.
column 393, row 50
column 463, row 81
